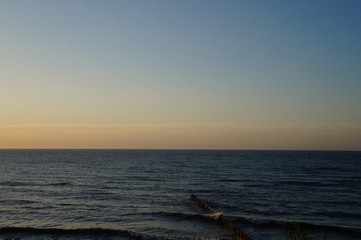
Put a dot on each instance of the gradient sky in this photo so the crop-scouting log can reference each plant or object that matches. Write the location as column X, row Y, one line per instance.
column 180, row 74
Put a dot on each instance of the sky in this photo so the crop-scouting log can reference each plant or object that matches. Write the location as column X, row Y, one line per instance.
column 167, row 74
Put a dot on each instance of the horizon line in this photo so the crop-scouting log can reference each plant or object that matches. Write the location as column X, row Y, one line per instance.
column 186, row 149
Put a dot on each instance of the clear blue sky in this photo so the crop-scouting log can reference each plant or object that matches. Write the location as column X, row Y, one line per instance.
column 75, row 63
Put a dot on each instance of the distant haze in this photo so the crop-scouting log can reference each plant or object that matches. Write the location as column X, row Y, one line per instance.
column 180, row 74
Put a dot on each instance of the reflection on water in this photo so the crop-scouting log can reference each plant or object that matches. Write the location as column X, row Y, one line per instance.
column 147, row 192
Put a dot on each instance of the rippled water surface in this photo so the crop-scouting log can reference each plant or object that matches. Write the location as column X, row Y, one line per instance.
column 144, row 194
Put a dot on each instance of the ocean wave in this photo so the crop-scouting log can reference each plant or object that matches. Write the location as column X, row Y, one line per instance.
column 338, row 214
column 186, row 216
column 14, row 183
column 270, row 223
column 92, row 233
column 13, row 231
column 60, row 184
column 300, row 182
column 17, row 201
column 33, row 184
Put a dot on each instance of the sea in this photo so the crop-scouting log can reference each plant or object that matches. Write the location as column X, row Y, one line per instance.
column 145, row 194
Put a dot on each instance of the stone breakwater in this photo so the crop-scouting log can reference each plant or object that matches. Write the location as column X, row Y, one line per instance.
column 238, row 233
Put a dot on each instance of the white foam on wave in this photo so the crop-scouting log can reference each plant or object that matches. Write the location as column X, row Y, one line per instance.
column 215, row 215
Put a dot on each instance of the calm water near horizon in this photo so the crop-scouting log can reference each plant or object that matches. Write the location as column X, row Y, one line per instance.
column 145, row 194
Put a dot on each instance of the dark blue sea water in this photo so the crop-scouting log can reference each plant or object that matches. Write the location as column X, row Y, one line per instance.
column 145, row 194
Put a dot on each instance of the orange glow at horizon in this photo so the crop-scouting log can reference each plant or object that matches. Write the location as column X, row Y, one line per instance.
column 184, row 136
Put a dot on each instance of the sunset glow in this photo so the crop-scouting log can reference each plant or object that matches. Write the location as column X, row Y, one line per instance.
column 180, row 74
